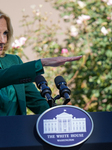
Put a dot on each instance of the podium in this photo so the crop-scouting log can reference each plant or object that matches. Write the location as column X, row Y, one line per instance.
column 19, row 133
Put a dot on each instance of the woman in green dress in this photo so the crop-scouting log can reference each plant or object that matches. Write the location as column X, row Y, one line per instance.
column 16, row 88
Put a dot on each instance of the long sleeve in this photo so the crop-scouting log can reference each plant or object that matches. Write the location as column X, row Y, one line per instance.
column 21, row 73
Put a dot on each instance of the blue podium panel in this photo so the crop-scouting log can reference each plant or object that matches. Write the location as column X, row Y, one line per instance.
column 19, row 133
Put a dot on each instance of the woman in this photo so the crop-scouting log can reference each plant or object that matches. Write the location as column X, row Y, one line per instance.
column 16, row 88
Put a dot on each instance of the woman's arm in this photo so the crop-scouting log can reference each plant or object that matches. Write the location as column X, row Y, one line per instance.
column 18, row 74
column 26, row 72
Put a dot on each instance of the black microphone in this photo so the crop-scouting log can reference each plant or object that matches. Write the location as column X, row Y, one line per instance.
column 44, row 89
column 63, row 89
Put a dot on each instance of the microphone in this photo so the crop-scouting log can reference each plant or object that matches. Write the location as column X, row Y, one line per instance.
column 44, row 89
column 63, row 89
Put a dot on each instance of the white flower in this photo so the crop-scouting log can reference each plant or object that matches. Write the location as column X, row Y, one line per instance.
column 66, row 17
column 109, row 2
column 74, row 34
column 86, row 17
column 16, row 44
column 104, row 0
column 37, row 12
column 104, row 30
column 81, row 4
column 79, row 21
column 19, row 43
column 73, row 30
column 22, row 41
column 82, row 18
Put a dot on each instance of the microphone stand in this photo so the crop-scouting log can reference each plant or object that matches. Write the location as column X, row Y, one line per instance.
column 58, row 97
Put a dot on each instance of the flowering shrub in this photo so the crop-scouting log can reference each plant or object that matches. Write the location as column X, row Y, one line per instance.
column 90, row 35
column 81, row 19
column 19, row 43
column 18, row 46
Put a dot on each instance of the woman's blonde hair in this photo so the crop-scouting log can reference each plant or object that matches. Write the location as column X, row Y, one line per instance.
column 10, row 30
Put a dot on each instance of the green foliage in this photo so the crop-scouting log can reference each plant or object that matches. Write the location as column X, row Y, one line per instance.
column 90, row 35
column 90, row 79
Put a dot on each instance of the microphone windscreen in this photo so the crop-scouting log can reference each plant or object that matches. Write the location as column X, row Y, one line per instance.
column 39, row 79
column 58, row 80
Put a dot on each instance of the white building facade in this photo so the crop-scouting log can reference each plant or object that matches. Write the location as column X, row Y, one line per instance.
column 64, row 123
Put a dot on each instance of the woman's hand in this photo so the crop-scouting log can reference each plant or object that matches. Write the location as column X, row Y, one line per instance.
column 58, row 61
